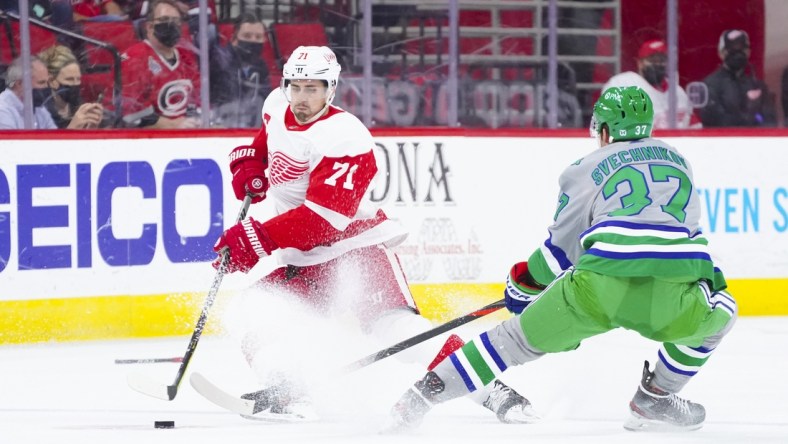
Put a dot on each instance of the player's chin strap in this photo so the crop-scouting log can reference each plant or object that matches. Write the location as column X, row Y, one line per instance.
column 317, row 115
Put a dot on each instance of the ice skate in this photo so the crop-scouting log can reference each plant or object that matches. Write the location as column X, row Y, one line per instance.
column 656, row 410
column 409, row 411
column 509, row 406
column 280, row 403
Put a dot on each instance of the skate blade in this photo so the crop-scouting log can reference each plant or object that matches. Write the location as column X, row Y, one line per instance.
column 522, row 415
column 637, row 423
column 281, row 418
column 394, row 426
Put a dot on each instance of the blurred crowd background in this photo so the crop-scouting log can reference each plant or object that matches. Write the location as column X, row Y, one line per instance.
column 405, row 63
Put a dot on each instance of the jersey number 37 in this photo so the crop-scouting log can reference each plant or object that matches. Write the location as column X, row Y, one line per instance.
column 638, row 197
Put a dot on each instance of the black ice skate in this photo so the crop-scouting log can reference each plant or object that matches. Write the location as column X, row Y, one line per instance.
column 509, row 406
column 656, row 410
column 280, row 403
column 409, row 411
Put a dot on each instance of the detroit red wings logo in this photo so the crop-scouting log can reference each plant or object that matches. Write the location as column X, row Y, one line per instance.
column 284, row 169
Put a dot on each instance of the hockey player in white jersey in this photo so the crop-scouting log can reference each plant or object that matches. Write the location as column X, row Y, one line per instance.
column 625, row 250
column 328, row 234
column 652, row 77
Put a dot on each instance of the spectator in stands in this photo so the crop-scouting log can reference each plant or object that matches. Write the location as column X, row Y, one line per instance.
column 160, row 81
column 11, row 105
column 96, row 10
column 239, row 76
column 135, row 9
column 735, row 96
column 189, row 9
column 65, row 80
column 652, row 78
column 67, row 14
column 38, row 9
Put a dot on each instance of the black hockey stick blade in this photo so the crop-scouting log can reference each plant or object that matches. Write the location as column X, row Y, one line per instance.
column 168, row 392
column 421, row 337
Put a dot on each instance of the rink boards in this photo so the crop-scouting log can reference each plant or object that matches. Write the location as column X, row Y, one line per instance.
column 111, row 237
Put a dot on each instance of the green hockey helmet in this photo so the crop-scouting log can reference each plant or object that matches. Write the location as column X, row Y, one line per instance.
column 627, row 112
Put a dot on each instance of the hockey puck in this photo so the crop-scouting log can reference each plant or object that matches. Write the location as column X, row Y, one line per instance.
column 164, row 424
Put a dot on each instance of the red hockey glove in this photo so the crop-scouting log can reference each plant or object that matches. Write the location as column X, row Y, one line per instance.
column 521, row 288
column 246, row 242
column 248, row 167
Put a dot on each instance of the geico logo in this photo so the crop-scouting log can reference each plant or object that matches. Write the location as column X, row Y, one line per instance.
column 121, row 212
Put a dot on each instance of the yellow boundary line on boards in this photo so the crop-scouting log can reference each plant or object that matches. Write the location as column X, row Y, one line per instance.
column 124, row 317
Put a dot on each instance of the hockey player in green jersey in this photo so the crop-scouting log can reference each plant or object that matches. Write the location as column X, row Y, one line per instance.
column 625, row 250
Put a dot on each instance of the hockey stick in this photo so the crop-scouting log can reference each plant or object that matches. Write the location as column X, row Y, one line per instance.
column 168, row 392
column 250, row 407
column 149, row 360
column 421, row 337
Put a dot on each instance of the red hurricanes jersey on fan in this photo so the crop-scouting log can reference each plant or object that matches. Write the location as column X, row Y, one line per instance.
column 151, row 85
column 320, row 176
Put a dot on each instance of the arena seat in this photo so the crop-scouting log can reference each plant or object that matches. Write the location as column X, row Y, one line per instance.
column 286, row 37
column 39, row 39
column 120, row 34
column 224, row 32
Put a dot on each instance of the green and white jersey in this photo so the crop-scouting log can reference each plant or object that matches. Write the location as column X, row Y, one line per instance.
column 628, row 209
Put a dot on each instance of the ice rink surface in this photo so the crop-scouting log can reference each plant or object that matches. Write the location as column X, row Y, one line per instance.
column 75, row 393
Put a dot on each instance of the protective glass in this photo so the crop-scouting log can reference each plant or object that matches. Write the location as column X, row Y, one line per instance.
column 311, row 90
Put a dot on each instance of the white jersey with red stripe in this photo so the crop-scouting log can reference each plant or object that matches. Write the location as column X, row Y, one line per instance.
column 685, row 116
column 320, row 176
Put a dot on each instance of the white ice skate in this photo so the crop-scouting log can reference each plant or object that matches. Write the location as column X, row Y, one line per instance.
column 658, row 411
column 509, row 406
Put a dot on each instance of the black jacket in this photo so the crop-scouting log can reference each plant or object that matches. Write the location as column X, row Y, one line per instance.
column 238, row 88
column 728, row 102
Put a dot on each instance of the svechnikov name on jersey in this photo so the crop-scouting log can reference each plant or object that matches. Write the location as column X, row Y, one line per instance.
column 616, row 160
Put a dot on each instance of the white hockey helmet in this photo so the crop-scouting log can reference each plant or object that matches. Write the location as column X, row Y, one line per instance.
column 313, row 63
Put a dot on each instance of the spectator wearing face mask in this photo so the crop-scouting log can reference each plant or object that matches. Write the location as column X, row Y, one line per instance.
column 239, row 76
column 65, row 81
column 652, row 78
column 735, row 96
column 160, row 80
column 11, row 104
